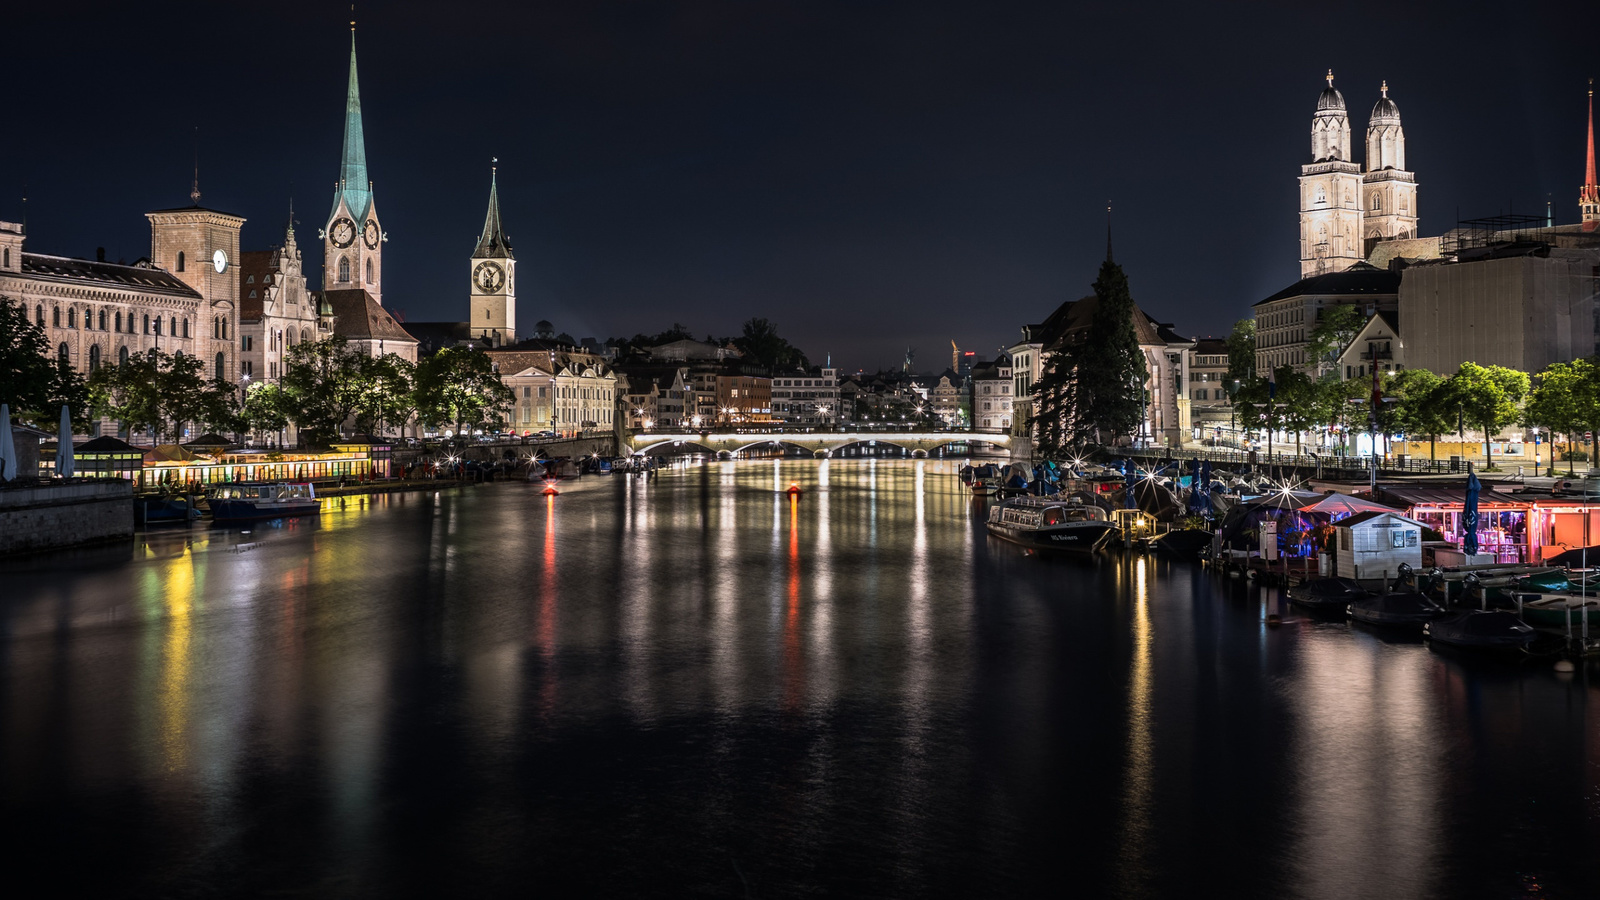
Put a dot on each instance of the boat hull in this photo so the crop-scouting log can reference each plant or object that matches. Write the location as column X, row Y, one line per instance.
column 1395, row 610
column 1076, row 537
column 1184, row 541
column 248, row 511
column 1455, row 631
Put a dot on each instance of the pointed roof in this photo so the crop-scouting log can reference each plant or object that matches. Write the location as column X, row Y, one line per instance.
column 493, row 244
column 1591, row 189
column 354, row 186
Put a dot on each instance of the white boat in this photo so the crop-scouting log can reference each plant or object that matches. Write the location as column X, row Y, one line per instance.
column 1051, row 524
column 250, row 501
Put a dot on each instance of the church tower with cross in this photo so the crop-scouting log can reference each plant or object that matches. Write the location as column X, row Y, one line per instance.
column 353, row 238
column 494, row 277
column 1330, row 192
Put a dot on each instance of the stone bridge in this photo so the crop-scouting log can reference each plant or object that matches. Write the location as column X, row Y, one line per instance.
column 821, row 444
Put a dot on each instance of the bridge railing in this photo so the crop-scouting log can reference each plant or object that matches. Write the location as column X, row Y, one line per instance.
column 1330, row 465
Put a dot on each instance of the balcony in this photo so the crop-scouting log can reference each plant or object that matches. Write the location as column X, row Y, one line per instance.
column 1377, row 354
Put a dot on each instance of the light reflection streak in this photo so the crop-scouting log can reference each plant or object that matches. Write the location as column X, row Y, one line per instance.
column 793, row 659
column 1139, row 778
column 544, row 634
column 173, row 697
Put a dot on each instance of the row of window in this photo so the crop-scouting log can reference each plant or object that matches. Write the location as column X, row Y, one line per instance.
column 344, row 269
column 110, row 320
column 64, row 353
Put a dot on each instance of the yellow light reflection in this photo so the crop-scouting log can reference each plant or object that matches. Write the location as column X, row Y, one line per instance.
column 172, row 697
column 1139, row 780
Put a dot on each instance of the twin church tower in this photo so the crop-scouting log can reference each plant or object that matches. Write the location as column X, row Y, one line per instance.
column 353, row 236
column 1342, row 208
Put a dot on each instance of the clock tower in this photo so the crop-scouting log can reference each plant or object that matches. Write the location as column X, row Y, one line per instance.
column 353, row 237
column 494, row 279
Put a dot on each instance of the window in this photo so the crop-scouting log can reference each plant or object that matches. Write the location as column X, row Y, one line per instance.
column 250, row 279
column 158, row 326
column 146, row 324
column 7, row 263
column 222, row 363
column 64, row 353
column 369, row 270
column 344, row 269
column 244, row 343
column 72, row 318
column 102, row 320
column 247, row 367
column 122, row 355
column 185, row 327
column 119, row 320
column 252, row 295
column 180, row 260
column 55, row 316
column 38, row 313
column 94, row 357
column 1374, row 202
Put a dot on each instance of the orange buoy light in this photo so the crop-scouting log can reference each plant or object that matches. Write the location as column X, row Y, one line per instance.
column 794, row 489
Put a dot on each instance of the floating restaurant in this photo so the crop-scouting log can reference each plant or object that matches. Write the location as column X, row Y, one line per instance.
column 1515, row 527
column 151, row 468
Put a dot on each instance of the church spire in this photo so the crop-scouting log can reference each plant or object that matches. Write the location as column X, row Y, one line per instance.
column 493, row 243
column 1108, row 231
column 353, row 181
column 1589, row 197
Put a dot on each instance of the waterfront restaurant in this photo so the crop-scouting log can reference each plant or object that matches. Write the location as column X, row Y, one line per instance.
column 150, row 471
column 1510, row 526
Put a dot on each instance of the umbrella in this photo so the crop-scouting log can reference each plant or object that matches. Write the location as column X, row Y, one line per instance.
column 65, row 466
column 1197, row 495
column 1131, row 502
column 1469, row 514
column 1340, row 505
column 8, row 450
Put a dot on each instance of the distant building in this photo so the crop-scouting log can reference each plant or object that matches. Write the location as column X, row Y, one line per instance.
column 1377, row 347
column 808, row 397
column 276, row 311
column 1285, row 320
column 991, row 402
column 1210, row 392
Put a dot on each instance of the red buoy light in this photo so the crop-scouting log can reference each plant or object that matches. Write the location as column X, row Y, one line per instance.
column 794, row 489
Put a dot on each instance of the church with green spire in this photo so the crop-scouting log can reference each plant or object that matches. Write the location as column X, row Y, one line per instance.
column 353, row 237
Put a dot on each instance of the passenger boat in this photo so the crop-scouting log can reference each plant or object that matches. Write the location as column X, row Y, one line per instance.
column 1044, row 524
column 1480, row 630
column 251, row 501
column 1407, row 610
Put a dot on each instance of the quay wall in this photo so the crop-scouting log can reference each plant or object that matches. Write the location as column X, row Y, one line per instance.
column 50, row 517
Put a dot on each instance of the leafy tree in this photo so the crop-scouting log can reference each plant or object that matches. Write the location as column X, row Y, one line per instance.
column 384, row 392
column 1489, row 397
column 762, row 345
column 1336, row 327
column 1339, row 405
column 458, row 386
column 1419, row 408
column 160, row 392
column 32, row 378
column 322, row 381
column 266, row 408
column 1556, row 400
column 1241, row 345
column 1295, row 407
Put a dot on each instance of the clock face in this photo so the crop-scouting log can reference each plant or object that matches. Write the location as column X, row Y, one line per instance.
column 370, row 234
column 488, row 277
column 220, row 260
column 343, row 232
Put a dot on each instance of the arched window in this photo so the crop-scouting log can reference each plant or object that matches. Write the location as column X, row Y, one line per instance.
column 222, row 363
column 344, row 269
column 94, row 357
column 122, row 355
column 185, row 327
column 216, row 328
column 72, row 318
column 64, row 352
column 369, row 270
column 147, row 323
column 7, row 263
column 38, row 313
column 225, row 327
column 102, row 320
column 55, row 316
column 1375, row 204
column 119, row 320
column 305, row 335
column 180, row 260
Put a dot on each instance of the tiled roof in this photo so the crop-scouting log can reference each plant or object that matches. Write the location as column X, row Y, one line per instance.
column 359, row 317
column 1360, row 280
column 140, row 276
column 255, row 273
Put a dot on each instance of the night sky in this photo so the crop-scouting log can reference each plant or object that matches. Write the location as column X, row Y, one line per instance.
column 870, row 176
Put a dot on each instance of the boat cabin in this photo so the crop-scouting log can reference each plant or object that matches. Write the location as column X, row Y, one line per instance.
column 265, row 491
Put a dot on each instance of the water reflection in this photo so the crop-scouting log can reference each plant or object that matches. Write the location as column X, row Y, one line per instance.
column 850, row 691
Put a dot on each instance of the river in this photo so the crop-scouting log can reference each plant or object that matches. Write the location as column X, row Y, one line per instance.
column 694, row 684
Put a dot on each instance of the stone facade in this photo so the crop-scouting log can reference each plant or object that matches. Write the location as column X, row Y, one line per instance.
column 201, row 248
column 806, row 397
column 992, row 384
column 275, row 311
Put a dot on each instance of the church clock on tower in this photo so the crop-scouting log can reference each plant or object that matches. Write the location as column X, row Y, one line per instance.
column 494, row 295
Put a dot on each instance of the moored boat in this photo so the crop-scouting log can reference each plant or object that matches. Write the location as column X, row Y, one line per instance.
column 1405, row 610
column 1328, row 594
column 253, row 501
column 1183, row 541
column 1555, row 610
column 165, row 510
column 1480, row 630
column 1042, row 524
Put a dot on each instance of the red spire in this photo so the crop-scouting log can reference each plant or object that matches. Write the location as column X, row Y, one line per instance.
column 1591, row 189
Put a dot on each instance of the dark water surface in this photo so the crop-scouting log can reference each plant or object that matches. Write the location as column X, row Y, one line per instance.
column 691, row 686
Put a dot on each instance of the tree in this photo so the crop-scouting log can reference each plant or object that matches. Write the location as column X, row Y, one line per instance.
column 1336, row 327
column 1555, row 401
column 322, row 381
column 1419, row 407
column 1093, row 389
column 1489, row 397
column 266, row 408
column 1295, row 407
column 385, row 392
column 1241, row 345
column 33, row 379
column 458, row 386
column 762, row 345
column 160, row 392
